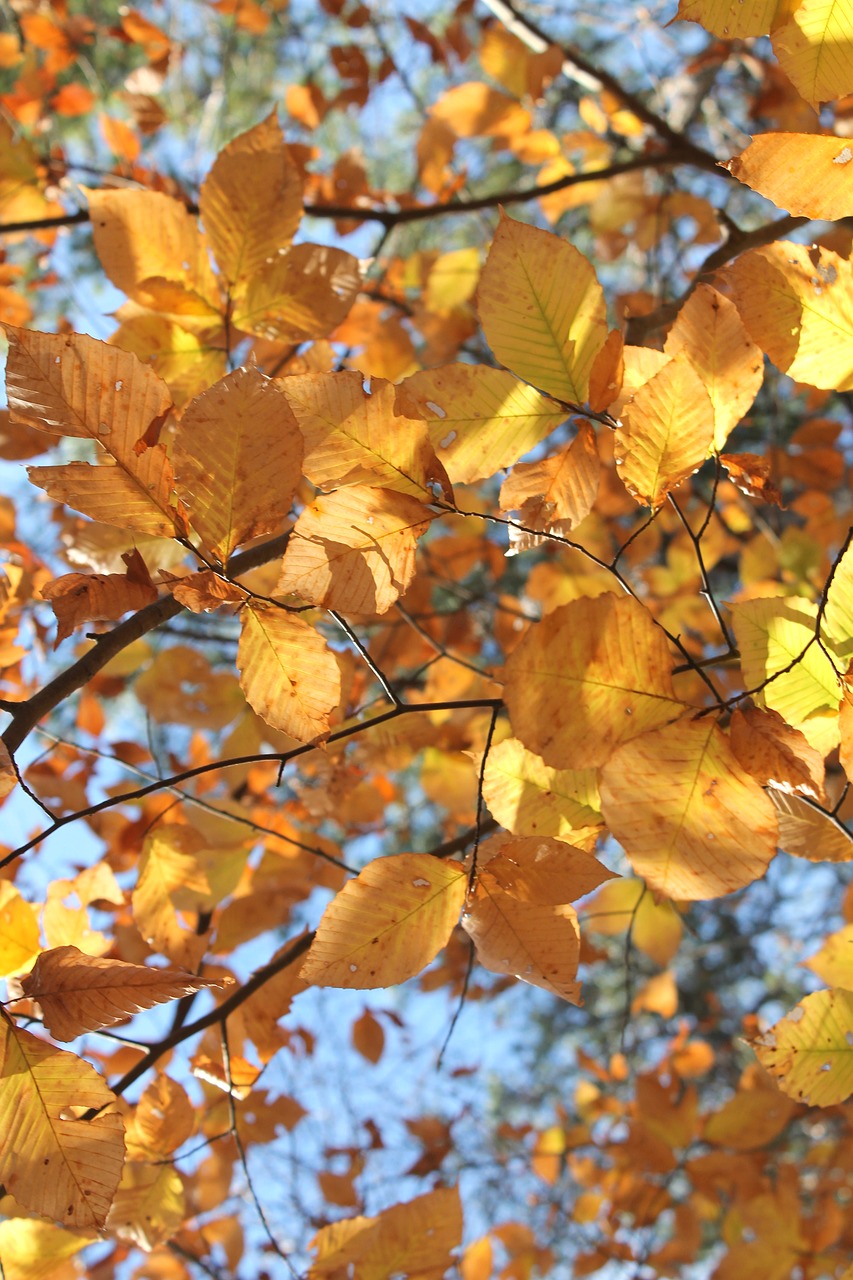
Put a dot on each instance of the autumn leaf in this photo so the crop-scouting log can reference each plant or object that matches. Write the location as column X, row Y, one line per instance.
column 806, row 831
column 558, row 492
column 417, row 1237
column 542, row 309
column 812, row 47
column 306, row 293
column 54, row 1163
column 80, row 993
column 776, row 754
column 541, row 869
column 287, row 672
column 530, row 799
column 387, row 924
column 810, row 1052
column 611, row 665
column 81, row 597
column 804, row 174
column 149, row 1204
column 169, row 867
column 19, row 932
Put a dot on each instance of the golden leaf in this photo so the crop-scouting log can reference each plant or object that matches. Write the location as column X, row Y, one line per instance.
column 810, row 1051
column 801, row 172
column 287, row 672
column 19, row 932
column 149, row 1204
column 531, row 799
column 558, row 492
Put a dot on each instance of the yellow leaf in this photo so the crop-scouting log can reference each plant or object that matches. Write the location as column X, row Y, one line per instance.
column 667, row 432
column 542, row 309
column 305, row 293
column 413, row 1239
column 801, row 172
column 810, row 1051
column 658, row 995
column 589, row 676
column 287, row 672
column 656, row 927
column 807, row 832
column 8, row 776
column 169, row 867
column 80, row 993
column 797, row 304
column 149, row 1205
column 693, row 823
column 145, row 239
column 536, row 942
column 354, row 550
column 238, row 459
column 480, row 419
column 710, row 333
column 541, row 868
column 251, row 201
column 771, row 633
column 452, row 279
column 187, row 363
column 34, row 1250
column 353, row 436
column 475, row 109
column 558, row 492
column 833, row 963
column 813, row 49
column 736, row 19
column 387, row 924
column 530, row 799
column 62, row 1167
column 837, row 628
column 19, row 932
column 162, row 1121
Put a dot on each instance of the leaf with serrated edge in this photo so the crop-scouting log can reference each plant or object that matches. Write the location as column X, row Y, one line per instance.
column 774, row 753
column 354, row 550
column 480, row 419
column 813, row 48
column 542, row 309
column 810, row 1051
column 541, row 868
column 238, row 459
column 529, row 798
column 807, row 832
column 66, row 1169
column 287, row 672
column 590, row 675
column 357, row 437
column 800, row 172
column 536, row 942
column 387, row 924
column 414, row 1239
column 732, row 19
column 558, row 492
column 80, row 993
column 693, row 823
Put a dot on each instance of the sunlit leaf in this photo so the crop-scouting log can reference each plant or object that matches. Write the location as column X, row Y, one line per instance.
column 35, row 1250
column 19, row 932
column 83, row 597
column 656, row 928
column 774, row 753
column 589, row 676
column 558, row 492
column 414, row 1238
column 813, row 49
column 542, row 309
column 80, row 993
column 800, row 172
column 541, row 868
column 531, row 799
column 387, row 924
column 56, row 1164
column 810, row 1051
column 735, row 19
column 287, row 672
column 149, row 1204
column 170, row 872
column 693, row 823
column 305, row 293
column 807, row 832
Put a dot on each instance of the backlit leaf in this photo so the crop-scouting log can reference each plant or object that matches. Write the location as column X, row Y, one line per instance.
column 774, row 753
column 62, row 1167
column 837, row 628
column 354, row 550
column 807, row 832
column 305, row 293
column 813, row 49
column 693, row 823
column 19, row 932
column 531, row 799
column 656, row 928
column 169, row 868
column 80, row 993
column 287, row 672
column 667, row 432
column 387, row 924
column 810, row 1051
column 149, row 1204
column 35, row 1250
column 558, row 492
column 238, row 459
column 541, row 869
column 799, row 172
column 480, row 419
column 733, row 19
column 590, row 675
column 833, row 963
column 83, row 597
column 542, row 309
column 415, row 1239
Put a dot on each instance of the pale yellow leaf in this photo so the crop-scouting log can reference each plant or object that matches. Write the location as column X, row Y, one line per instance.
column 558, row 492
column 797, row 304
column 833, row 963
column 304, row 293
column 541, row 868
column 536, row 942
column 807, row 832
column 19, row 932
column 736, row 19
column 149, row 1205
column 413, row 1239
column 34, row 1250
column 287, row 672
column 251, row 201
column 80, row 993
column 169, row 867
column 530, row 799
column 354, row 550
column 693, row 823
column 480, row 419
column 709, row 331
column 542, row 309
column 387, row 924
column 354, row 436
column 187, row 362
column 237, row 459
column 804, row 173
column 146, row 236
column 591, row 675
column 667, row 432
column 810, row 1051
column 813, row 49
column 837, row 628
column 64, row 1168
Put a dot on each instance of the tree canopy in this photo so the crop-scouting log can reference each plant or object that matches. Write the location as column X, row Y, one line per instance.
column 426, row 640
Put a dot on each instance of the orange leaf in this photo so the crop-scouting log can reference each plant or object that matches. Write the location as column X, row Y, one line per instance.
column 86, row 597
column 801, row 172
column 558, row 492
column 753, row 475
column 287, row 672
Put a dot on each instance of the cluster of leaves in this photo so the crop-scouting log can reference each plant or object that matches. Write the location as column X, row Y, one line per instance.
column 516, row 646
